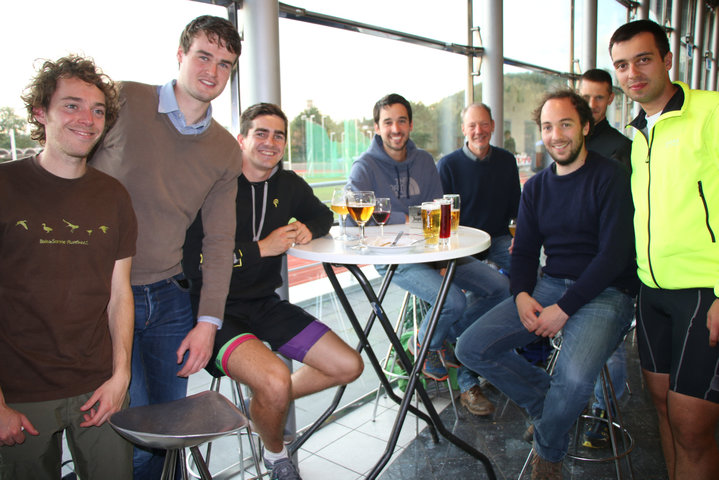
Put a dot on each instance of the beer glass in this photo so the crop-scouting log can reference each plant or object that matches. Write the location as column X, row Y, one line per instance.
column 360, row 206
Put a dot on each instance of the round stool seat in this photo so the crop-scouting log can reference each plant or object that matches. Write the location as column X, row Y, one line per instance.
column 182, row 423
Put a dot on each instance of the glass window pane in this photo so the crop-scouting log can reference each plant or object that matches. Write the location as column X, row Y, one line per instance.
column 336, row 90
column 136, row 40
column 528, row 36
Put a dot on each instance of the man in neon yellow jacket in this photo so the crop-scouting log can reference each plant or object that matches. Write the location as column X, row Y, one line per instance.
column 675, row 187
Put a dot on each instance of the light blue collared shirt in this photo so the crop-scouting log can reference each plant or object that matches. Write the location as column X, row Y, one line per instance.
column 168, row 105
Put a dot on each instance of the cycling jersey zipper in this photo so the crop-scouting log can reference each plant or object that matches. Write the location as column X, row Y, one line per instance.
column 649, row 208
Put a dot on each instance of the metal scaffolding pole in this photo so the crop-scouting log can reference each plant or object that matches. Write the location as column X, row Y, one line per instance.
column 676, row 38
column 698, row 46
column 469, row 92
column 714, row 47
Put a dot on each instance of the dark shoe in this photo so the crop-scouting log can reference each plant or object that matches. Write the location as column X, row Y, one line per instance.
column 434, row 367
column 544, row 469
column 282, row 469
column 596, row 434
column 448, row 353
column 528, row 435
column 475, row 401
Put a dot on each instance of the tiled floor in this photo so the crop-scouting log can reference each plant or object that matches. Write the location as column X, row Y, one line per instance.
column 349, row 446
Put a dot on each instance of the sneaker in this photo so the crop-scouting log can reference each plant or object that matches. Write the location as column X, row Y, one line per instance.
column 282, row 469
column 528, row 435
column 596, row 434
column 544, row 469
column 434, row 367
column 448, row 353
column 475, row 401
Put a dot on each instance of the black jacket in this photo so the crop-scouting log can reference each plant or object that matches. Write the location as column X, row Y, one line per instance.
column 288, row 196
column 610, row 143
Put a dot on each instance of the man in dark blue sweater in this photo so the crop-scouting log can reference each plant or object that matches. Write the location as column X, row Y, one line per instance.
column 580, row 211
column 487, row 180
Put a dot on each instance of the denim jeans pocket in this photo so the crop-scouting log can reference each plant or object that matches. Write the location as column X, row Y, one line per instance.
column 182, row 283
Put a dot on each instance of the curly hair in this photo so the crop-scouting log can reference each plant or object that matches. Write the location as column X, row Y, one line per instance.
column 40, row 91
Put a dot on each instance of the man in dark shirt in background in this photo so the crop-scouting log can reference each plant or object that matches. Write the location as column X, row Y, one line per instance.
column 579, row 209
column 268, row 197
column 596, row 89
column 486, row 179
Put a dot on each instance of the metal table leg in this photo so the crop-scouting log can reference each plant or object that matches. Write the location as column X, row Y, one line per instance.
column 432, row 417
column 363, row 343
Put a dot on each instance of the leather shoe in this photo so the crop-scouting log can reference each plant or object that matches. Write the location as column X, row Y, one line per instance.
column 475, row 401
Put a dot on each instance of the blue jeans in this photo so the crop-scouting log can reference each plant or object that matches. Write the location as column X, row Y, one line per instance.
column 617, row 365
column 485, row 288
column 553, row 402
column 163, row 318
column 499, row 251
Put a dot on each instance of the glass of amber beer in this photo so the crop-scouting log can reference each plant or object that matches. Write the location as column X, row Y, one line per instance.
column 360, row 206
column 454, row 198
column 430, row 223
column 339, row 206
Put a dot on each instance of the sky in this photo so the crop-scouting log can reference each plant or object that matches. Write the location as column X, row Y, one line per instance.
column 341, row 72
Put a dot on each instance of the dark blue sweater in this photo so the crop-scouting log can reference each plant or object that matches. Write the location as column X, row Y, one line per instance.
column 584, row 221
column 489, row 188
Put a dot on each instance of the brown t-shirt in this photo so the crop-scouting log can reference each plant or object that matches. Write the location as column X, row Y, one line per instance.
column 59, row 240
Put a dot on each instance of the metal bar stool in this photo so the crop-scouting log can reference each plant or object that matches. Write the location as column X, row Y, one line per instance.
column 620, row 439
column 180, row 424
column 238, row 399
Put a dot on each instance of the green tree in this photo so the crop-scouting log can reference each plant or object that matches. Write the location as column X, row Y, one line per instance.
column 9, row 120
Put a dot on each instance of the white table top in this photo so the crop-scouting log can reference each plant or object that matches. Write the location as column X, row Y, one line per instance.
column 468, row 241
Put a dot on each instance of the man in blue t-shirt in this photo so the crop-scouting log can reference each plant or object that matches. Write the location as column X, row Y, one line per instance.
column 579, row 209
column 487, row 180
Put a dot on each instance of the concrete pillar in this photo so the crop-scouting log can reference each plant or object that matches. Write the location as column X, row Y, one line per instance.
column 589, row 52
column 493, row 66
column 261, row 52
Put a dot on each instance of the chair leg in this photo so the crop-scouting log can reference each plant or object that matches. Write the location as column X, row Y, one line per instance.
column 399, row 329
column 526, row 464
column 195, row 469
column 256, row 455
column 620, row 440
column 611, row 400
column 168, row 468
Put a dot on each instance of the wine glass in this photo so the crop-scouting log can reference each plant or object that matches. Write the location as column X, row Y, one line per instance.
column 339, row 206
column 381, row 213
column 360, row 206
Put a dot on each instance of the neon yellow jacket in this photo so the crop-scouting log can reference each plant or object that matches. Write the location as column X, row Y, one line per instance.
column 675, row 187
